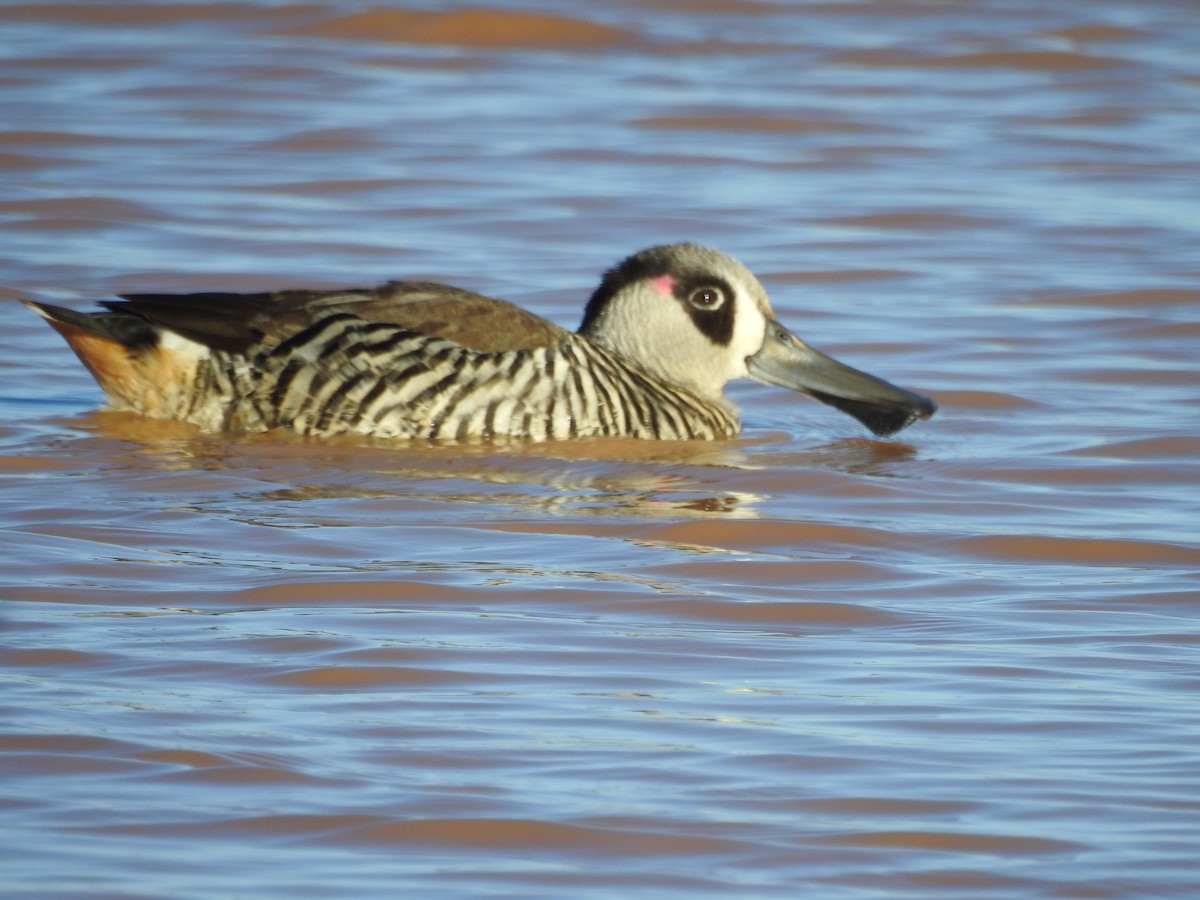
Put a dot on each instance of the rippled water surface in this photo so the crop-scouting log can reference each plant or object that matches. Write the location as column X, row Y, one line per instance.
column 961, row 662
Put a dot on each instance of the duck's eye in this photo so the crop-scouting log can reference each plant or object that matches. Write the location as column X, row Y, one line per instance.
column 706, row 298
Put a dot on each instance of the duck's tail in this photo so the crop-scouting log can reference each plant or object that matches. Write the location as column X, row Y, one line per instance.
column 128, row 357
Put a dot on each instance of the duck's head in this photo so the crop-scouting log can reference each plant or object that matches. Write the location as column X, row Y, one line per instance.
column 697, row 317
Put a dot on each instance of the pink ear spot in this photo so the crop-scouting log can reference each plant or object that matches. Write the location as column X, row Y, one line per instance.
column 664, row 284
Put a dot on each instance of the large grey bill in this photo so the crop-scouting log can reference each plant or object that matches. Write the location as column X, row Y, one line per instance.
column 787, row 361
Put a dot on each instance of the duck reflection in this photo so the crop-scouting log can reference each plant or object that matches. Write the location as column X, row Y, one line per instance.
column 582, row 477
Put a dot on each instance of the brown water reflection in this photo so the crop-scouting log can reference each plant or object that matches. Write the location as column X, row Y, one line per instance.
column 802, row 662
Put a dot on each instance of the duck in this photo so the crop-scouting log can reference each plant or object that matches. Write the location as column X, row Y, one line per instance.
column 661, row 336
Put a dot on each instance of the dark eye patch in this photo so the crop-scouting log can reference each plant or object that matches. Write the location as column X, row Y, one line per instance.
column 709, row 301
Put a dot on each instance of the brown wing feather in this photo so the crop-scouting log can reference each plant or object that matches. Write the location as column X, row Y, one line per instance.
column 222, row 321
column 235, row 322
column 475, row 321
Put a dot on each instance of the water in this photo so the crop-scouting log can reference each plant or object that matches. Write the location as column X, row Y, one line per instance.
column 959, row 663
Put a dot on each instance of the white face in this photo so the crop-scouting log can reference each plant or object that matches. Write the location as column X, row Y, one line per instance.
column 693, row 324
column 697, row 317
column 750, row 319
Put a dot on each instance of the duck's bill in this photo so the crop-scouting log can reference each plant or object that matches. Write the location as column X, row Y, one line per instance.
column 787, row 361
